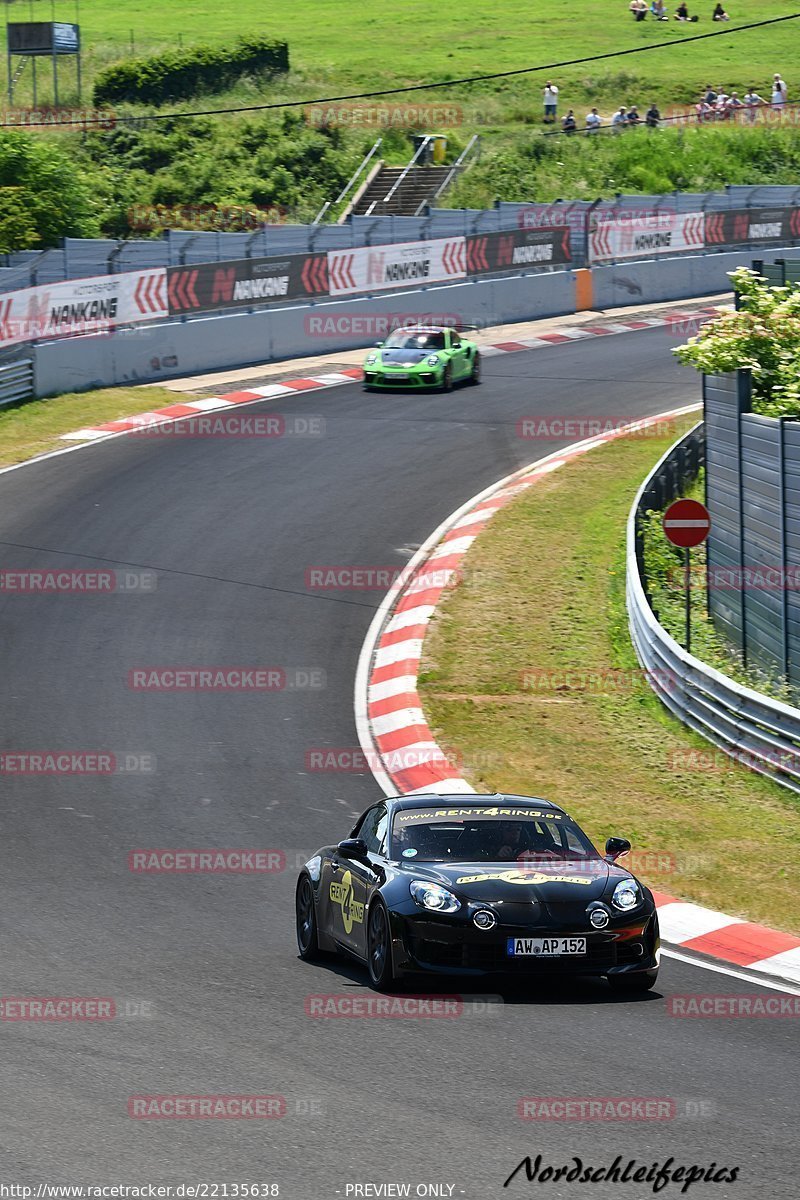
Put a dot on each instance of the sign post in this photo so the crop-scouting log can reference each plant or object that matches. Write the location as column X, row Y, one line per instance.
column 686, row 523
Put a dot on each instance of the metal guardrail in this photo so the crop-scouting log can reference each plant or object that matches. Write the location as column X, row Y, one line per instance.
column 761, row 733
column 361, row 167
column 474, row 143
column 16, row 381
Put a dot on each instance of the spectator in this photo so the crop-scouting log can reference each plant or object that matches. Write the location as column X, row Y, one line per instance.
column 639, row 9
column 779, row 91
column 568, row 123
column 704, row 110
column 618, row 120
column 657, row 10
column 719, row 13
column 593, row 121
column 633, row 117
column 751, row 102
column 682, row 12
column 733, row 105
column 550, row 103
column 652, row 117
column 710, row 95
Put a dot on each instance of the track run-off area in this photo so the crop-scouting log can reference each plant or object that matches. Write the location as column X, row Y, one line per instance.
column 212, row 543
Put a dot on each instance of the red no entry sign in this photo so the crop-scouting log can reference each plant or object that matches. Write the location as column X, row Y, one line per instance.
column 686, row 523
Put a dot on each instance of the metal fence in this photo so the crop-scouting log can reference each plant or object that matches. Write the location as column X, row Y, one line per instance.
column 79, row 257
column 762, row 733
column 753, row 495
column 16, row 381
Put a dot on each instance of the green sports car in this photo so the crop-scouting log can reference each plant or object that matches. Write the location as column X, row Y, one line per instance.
column 432, row 357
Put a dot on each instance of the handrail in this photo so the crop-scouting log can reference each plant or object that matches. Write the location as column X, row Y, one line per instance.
column 422, row 146
column 752, row 728
column 456, row 167
column 332, row 203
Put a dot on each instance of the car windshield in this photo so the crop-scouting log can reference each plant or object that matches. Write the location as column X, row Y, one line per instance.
column 425, row 339
column 488, row 834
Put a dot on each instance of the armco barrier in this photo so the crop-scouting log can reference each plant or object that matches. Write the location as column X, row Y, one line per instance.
column 762, row 733
column 16, row 381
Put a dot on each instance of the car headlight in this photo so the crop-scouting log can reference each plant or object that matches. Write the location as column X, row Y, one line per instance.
column 626, row 895
column 371, row 358
column 432, row 360
column 433, row 897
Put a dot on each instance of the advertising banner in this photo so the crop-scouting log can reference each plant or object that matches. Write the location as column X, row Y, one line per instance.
column 244, row 281
column 645, row 235
column 737, row 226
column 520, row 248
column 404, row 264
column 82, row 306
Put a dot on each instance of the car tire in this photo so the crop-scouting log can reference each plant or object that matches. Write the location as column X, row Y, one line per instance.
column 379, row 948
column 633, row 985
column 475, row 374
column 447, row 379
column 306, row 921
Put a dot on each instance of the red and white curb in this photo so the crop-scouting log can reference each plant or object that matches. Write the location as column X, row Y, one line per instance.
column 404, row 756
column 274, row 391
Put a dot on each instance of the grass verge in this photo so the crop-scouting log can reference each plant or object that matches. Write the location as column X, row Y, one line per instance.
column 544, row 594
column 35, row 427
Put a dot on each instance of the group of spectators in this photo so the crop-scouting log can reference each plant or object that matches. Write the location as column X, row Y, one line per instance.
column 657, row 9
column 714, row 105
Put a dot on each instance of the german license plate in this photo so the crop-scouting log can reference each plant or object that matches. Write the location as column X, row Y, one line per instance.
column 398, row 374
column 545, row 947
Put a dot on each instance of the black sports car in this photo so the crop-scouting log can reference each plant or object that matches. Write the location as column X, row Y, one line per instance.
column 474, row 885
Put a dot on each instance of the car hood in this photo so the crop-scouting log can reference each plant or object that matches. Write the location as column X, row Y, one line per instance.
column 548, row 883
column 406, row 356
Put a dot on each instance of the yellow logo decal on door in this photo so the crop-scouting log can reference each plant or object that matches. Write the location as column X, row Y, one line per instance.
column 352, row 909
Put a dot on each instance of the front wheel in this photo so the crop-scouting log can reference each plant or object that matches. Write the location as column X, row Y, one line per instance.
column 379, row 948
column 633, row 985
column 447, row 379
column 475, row 374
column 306, row 921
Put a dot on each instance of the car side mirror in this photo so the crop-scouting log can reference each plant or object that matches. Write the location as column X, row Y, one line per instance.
column 354, row 848
column 615, row 847
column 378, row 345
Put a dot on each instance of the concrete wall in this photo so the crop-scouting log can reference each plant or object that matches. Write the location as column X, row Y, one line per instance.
column 672, row 278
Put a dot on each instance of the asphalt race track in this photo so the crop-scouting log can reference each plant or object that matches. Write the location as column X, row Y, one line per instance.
column 203, row 968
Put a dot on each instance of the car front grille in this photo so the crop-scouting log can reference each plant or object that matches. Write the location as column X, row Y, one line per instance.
column 491, row 956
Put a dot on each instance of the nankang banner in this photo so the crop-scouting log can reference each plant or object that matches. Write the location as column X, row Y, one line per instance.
column 244, row 281
column 518, row 249
column 82, row 306
column 641, row 234
column 740, row 226
column 404, row 264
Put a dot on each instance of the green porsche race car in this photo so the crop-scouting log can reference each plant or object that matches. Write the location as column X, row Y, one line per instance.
column 428, row 357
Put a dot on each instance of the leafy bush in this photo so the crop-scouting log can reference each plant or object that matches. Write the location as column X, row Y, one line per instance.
column 44, row 194
column 182, row 74
column 763, row 336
